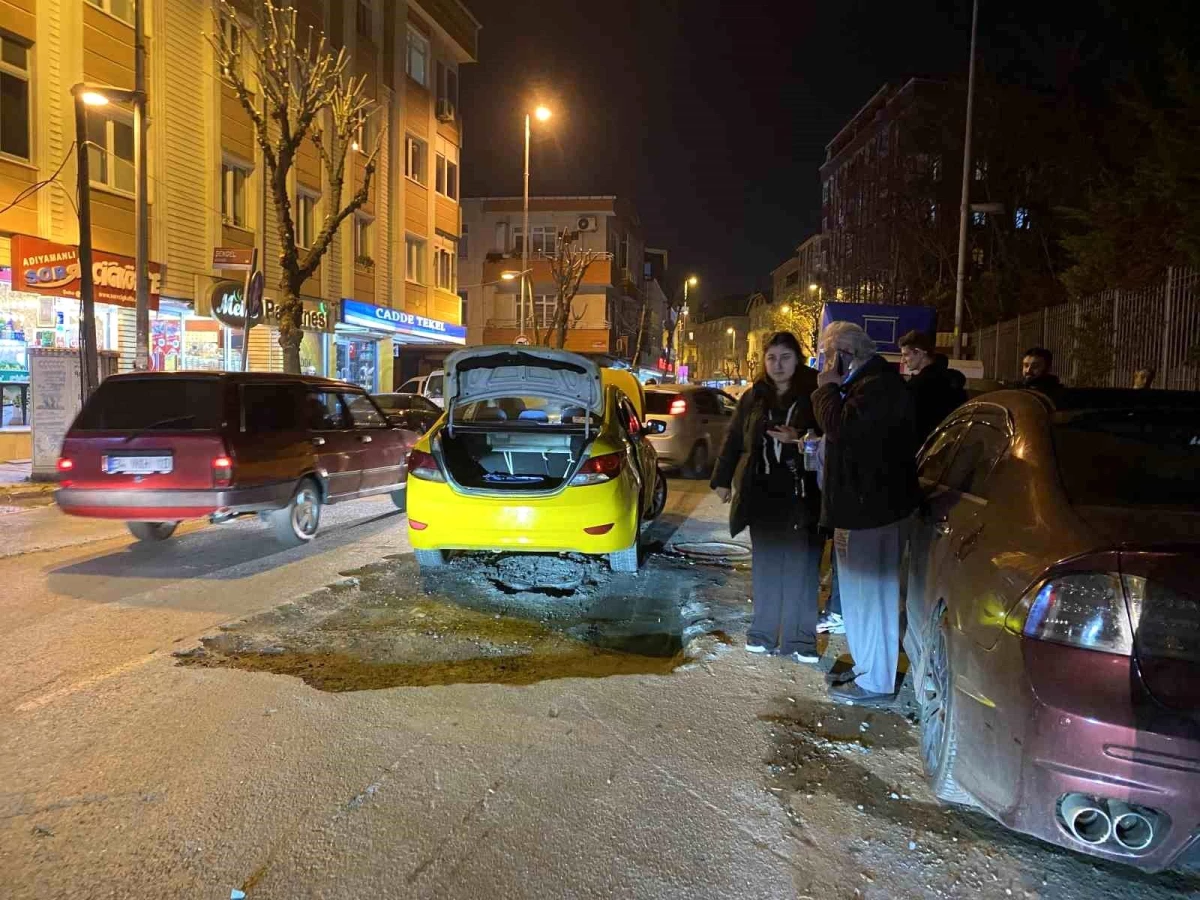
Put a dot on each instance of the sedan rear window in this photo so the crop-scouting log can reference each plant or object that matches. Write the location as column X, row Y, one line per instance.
column 1130, row 457
column 658, row 403
column 150, row 404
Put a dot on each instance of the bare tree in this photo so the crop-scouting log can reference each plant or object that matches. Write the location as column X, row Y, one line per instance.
column 308, row 94
column 568, row 267
column 799, row 311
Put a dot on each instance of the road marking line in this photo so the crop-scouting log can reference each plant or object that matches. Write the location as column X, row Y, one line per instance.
column 39, row 702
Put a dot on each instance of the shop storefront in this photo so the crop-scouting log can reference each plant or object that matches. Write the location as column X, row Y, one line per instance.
column 366, row 334
column 40, row 307
column 218, row 343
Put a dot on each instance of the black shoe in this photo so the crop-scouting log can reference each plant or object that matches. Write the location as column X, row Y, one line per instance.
column 851, row 694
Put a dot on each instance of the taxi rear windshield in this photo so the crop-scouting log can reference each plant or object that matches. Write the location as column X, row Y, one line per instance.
column 153, row 404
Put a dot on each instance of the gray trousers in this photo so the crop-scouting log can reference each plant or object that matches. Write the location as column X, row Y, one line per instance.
column 868, row 561
column 786, row 570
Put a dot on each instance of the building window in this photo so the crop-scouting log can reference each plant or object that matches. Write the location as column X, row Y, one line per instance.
column 1021, row 218
column 14, row 98
column 235, row 179
column 447, row 89
column 446, row 169
column 416, row 62
column 977, row 256
column 978, row 219
column 445, row 264
column 416, row 155
column 462, row 242
column 414, row 265
column 462, row 307
column 542, row 240
column 543, row 309
column 233, row 40
column 306, row 219
column 120, row 9
column 363, row 136
column 981, row 169
column 364, row 17
column 932, row 213
column 364, row 241
column 110, row 151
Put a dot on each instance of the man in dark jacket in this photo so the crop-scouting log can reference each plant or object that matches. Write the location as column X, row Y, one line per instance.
column 935, row 389
column 1035, row 371
column 870, row 491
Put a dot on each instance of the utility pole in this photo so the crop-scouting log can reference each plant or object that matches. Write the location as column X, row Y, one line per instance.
column 964, row 206
column 91, row 372
column 141, row 197
column 524, row 238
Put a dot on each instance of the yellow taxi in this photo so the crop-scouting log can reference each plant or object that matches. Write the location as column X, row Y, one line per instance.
column 538, row 450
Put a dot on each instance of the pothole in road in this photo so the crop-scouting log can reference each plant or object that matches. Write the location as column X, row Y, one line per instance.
column 718, row 552
column 509, row 619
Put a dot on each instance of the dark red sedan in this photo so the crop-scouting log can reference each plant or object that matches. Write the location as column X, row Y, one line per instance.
column 1054, row 622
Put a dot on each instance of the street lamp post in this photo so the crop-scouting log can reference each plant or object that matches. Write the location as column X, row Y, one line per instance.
column 963, row 207
column 141, row 197
column 542, row 114
column 733, row 348
column 91, row 373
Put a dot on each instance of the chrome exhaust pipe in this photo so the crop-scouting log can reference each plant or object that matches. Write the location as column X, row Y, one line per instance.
column 1132, row 829
column 1086, row 819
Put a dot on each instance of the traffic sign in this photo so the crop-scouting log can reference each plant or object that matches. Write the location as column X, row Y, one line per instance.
column 521, row 340
column 254, row 296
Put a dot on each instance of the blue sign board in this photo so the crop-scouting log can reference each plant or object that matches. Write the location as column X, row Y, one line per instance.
column 383, row 318
column 884, row 324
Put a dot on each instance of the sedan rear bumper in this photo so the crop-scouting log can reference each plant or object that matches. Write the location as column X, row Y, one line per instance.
column 133, row 505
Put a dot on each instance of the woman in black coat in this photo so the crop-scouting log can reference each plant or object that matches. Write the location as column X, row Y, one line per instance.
column 761, row 469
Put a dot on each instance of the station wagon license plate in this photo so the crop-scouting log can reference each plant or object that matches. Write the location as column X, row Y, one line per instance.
column 139, row 465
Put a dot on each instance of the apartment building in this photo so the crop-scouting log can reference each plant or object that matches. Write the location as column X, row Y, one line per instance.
column 607, row 307
column 388, row 283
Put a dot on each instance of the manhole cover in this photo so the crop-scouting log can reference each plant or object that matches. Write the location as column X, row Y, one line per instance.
column 539, row 573
column 711, row 551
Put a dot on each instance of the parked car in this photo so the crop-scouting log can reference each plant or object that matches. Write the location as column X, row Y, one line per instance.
column 1054, row 617
column 155, row 448
column 540, row 450
column 430, row 386
column 412, row 411
column 694, row 419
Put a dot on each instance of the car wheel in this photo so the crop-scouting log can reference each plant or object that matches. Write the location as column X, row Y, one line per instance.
column 400, row 498
column 697, row 465
column 939, row 723
column 659, row 501
column 151, row 532
column 430, row 559
column 297, row 522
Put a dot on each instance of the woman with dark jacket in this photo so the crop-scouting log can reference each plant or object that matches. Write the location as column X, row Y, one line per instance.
column 761, row 468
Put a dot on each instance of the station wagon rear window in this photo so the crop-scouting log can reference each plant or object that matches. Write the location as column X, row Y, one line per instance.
column 153, row 404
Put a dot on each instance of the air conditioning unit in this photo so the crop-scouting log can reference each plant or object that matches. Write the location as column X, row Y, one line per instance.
column 445, row 110
column 586, row 223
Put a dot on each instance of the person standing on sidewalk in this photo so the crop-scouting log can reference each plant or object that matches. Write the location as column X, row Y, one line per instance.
column 871, row 489
column 761, row 469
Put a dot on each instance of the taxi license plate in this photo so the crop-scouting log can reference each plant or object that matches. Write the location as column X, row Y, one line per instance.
column 139, row 465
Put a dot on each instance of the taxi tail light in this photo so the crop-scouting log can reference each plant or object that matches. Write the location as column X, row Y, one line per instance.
column 678, row 407
column 599, row 469
column 422, row 465
column 222, row 471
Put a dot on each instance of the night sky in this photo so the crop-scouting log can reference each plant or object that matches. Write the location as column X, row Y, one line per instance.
column 713, row 116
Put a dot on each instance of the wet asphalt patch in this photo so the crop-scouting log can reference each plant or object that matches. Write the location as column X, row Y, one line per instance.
column 487, row 618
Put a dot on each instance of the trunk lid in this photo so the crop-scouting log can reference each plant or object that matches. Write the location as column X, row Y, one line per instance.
column 1164, row 605
column 492, row 373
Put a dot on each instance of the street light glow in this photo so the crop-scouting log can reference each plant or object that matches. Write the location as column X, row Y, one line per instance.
column 693, row 281
column 542, row 113
column 729, row 330
column 813, row 286
column 94, row 98
column 785, row 309
column 508, row 276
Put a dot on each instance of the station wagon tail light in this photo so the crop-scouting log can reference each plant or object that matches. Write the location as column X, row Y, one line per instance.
column 1080, row 609
column 599, row 469
column 222, row 469
column 678, row 407
column 65, row 464
column 422, row 465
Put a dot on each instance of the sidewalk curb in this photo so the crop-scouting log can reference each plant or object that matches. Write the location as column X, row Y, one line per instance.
column 27, row 490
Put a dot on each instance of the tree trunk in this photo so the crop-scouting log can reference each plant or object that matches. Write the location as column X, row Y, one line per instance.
column 291, row 311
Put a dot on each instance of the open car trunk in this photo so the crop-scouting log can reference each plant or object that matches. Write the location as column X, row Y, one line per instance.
column 496, row 459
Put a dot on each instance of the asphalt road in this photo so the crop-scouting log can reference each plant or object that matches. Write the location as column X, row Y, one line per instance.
column 128, row 772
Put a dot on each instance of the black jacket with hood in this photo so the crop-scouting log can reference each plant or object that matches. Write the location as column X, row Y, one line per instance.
column 936, row 393
column 870, row 448
column 768, row 480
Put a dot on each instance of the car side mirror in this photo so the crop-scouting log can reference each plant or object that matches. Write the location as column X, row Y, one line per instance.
column 654, row 426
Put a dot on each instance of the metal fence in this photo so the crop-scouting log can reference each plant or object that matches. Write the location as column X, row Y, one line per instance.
column 1101, row 341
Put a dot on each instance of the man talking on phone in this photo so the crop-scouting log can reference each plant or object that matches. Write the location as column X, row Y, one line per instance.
column 866, row 411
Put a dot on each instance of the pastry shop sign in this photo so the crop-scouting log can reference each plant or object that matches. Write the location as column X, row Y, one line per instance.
column 44, row 267
column 227, row 308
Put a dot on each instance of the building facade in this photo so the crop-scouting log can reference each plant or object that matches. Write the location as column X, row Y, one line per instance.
column 387, row 284
column 721, row 347
column 607, row 310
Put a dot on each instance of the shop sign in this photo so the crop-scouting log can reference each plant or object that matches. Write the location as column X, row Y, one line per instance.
column 226, row 300
column 44, row 267
column 397, row 321
column 233, row 257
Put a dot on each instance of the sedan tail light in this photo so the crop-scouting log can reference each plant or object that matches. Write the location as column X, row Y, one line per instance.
column 422, row 465
column 1080, row 609
column 599, row 469
column 65, row 464
column 678, row 407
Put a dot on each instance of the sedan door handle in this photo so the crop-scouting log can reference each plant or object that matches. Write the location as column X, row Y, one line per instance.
column 942, row 527
column 967, row 544
column 365, row 438
column 318, row 442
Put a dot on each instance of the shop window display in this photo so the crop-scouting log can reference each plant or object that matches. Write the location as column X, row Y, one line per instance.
column 357, row 362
